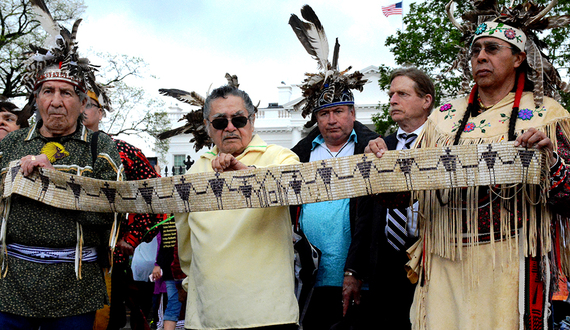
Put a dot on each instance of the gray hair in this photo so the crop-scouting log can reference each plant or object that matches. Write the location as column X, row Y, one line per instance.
column 224, row 92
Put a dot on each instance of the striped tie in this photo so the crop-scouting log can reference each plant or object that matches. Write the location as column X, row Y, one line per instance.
column 397, row 219
column 409, row 138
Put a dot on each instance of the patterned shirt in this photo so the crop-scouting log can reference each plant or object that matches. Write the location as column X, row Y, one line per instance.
column 134, row 228
column 52, row 290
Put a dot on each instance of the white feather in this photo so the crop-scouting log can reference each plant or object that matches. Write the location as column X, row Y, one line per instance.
column 48, row 24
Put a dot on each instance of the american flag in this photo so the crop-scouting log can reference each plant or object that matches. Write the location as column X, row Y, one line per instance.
column 393, row 9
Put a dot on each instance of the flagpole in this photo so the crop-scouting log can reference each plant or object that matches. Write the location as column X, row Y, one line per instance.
column 402, row 16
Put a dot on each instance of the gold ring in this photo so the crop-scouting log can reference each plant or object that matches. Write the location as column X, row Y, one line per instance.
column 33, row 157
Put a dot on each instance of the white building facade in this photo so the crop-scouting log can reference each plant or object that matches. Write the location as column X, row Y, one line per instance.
column 278, row 123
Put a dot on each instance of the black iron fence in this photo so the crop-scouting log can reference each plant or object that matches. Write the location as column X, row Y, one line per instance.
column 174, row 170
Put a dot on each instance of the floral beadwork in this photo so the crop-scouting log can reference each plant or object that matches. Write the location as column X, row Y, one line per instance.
column 525, row 114
column 481, row 28
column 510, row 34
column 471, row 126
column 449, row 109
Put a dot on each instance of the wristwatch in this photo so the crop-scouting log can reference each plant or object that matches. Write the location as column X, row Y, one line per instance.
column 350, row 273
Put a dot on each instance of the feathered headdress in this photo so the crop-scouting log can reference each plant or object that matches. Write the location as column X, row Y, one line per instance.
column 102, row 99
column 58, row 59
column 329, row 87
column 530, row 19
column 194, row 119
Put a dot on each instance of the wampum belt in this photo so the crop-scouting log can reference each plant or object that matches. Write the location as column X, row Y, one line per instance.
column 331, row 179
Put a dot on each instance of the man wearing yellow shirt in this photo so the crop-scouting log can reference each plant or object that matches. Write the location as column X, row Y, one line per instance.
column 239, row 262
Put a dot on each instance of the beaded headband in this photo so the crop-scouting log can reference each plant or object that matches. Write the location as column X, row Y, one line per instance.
column 501, row 31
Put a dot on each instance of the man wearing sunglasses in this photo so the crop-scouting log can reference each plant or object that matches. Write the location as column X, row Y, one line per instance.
column 239, row 262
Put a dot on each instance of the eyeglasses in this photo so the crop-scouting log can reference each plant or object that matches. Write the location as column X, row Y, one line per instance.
column 222, row 123
column 91, row 105
column 490, row 49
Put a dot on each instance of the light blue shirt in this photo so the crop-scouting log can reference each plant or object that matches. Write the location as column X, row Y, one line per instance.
column 327, row 224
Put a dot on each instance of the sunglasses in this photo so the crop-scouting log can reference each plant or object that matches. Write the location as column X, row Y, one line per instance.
column 490, row 49
column 222, row 123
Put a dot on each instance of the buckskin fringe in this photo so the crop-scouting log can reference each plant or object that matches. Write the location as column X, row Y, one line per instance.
column 442, row 225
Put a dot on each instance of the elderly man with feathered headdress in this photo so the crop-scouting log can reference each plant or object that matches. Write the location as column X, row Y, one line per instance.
column 51, row 277
column 493, row 256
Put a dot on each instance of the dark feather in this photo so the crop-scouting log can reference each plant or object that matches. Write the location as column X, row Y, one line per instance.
column 300, row 29
column 191, row 98
column 309, row 14
column 172, row 132
column 194, row 119
column 29, row 109
column 312, row 35
column 232, row 80
column 195, row 126
column 335, row 55
column 74, row 30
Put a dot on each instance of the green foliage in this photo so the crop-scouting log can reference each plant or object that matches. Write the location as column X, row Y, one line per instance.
column 383, row 123
column 134, row 111
column 559, row 46
column 430, row 42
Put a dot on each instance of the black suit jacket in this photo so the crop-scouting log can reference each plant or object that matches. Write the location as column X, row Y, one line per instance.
column 390, row 290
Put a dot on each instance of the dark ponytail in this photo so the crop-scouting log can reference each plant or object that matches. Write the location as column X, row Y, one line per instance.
column 519, row 87
column 472, row 109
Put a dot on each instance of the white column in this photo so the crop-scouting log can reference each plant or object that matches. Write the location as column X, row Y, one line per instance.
column 295, row 135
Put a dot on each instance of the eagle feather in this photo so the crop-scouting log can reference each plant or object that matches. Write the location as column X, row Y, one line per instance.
column 46, row 21
column 191, row 98
column 232, row 80
column 312, row 35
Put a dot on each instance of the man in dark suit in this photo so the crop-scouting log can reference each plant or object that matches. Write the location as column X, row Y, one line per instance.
column 391, row 232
